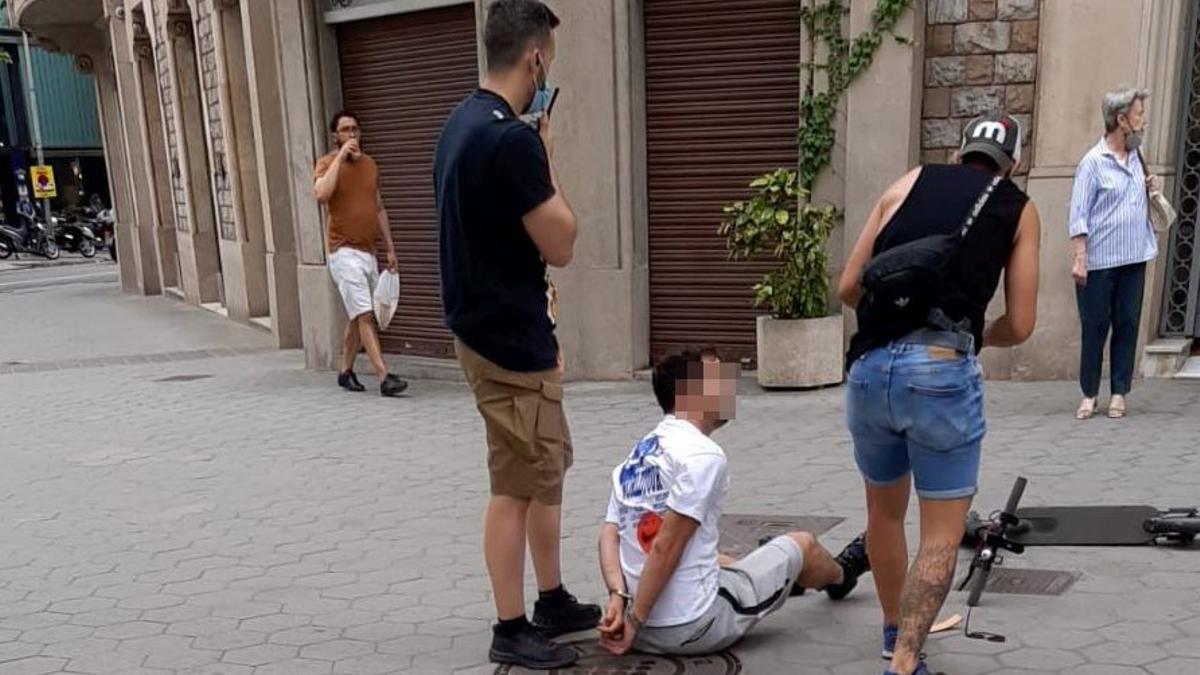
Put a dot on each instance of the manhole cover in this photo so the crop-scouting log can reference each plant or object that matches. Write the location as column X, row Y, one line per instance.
column 1029, row 581
column 183, row 378
column 593, row 660
column 741, row 532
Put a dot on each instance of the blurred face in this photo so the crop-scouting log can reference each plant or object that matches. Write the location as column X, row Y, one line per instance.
column 712, row 391
column 347, row 129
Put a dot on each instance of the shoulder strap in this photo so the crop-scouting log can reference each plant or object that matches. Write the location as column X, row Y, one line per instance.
column 1142, row 161
column 979, row 204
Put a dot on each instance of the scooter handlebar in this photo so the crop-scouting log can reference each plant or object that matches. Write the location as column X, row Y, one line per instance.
column 1014, row 497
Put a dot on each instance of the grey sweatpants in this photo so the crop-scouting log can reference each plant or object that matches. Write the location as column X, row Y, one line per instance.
column 750, row 589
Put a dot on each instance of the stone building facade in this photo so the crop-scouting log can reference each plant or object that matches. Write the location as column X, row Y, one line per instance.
column 214, row 112
column 979, row 56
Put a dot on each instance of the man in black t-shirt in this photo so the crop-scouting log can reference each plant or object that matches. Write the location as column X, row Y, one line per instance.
column 501, row 218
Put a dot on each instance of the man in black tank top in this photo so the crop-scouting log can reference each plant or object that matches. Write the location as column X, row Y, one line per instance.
column 915, row 399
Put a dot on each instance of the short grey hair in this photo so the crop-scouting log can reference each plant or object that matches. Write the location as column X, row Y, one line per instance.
column 1119, row 102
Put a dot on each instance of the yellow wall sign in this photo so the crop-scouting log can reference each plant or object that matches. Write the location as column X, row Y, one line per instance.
column 43, row 182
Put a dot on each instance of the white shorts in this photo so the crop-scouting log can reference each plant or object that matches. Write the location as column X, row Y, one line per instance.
column 750, row 589
column 355, row 274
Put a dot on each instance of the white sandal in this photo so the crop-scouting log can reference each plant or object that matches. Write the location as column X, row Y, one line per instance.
column 1087, row 409
column 1116, row 408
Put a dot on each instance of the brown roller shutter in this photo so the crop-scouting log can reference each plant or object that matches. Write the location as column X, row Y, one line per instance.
column 722, row 106
column 403, row 75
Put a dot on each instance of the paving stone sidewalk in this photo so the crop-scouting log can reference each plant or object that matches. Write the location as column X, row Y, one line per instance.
column 249, row 517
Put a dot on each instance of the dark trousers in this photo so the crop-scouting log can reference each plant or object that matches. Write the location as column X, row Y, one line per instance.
column 1112, row 300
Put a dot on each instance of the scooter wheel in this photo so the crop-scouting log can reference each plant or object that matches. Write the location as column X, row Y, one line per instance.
column 5, row 251
column 50, row 250
column 87, row 248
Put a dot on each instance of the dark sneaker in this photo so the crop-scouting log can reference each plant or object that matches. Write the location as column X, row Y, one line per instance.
column 564, row 614
column 530, row 648
column 855, row 563
column 392, row 386
column 349, row 381
column 890, row 634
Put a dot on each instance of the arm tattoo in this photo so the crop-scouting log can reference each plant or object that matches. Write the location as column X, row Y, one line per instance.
column 925, row 590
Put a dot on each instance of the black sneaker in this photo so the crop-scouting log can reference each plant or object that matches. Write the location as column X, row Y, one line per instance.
column 855, row 563
column 564, row 614
column 530, row 648
column 349, row 381
column 392, row 386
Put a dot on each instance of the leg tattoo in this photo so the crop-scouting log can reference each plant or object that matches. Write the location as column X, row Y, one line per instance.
column 925, row 590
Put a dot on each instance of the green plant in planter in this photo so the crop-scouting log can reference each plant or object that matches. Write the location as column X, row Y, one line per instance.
column 778, row 219
column 771, row 222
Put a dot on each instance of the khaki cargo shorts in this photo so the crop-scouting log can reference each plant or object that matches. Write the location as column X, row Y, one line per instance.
column 529, row 444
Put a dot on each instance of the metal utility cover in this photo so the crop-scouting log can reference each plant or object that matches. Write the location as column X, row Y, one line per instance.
column 1030, row 581
column 594, row 660
column 741, row 532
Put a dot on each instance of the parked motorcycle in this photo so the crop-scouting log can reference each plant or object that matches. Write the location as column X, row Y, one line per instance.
column 99, row 220
column 30, row 237
column 74, row 235
column 105, row 230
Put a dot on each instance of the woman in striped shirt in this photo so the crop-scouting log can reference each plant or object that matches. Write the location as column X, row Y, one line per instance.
column 1113, row 240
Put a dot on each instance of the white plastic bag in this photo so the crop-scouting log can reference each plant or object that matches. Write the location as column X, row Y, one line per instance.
column 387, row 296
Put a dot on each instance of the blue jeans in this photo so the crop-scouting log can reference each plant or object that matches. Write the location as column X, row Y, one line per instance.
column 919, row 409
column 1111, row 299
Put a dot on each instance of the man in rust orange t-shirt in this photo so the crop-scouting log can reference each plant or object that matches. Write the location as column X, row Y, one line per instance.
column 347, row 182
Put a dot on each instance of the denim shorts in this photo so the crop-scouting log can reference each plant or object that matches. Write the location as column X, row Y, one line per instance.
column 919, row 409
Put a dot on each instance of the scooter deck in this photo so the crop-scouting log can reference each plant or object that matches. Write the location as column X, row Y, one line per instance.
column 1084, row 526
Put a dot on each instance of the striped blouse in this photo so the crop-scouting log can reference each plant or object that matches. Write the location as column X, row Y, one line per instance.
column 1109, row 207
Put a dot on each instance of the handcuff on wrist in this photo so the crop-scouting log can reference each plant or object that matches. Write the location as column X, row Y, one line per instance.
column 630, row 617
column 621, row 594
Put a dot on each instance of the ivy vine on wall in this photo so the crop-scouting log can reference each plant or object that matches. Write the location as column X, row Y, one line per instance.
column 847, row 59
column 778, row 219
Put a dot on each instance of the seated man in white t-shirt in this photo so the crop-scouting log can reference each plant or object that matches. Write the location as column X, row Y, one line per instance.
column 670, row 590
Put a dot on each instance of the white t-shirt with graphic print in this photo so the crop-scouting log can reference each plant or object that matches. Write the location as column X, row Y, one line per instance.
column 676, row 468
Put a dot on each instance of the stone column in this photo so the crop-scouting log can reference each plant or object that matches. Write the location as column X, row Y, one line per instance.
column 243, row 246
column 150, row 112
column 882, row 121
column 269, row 145
column 310, row 90
column 1163, row 45
column 197, row 234
column 118, row 173
column 129, row 100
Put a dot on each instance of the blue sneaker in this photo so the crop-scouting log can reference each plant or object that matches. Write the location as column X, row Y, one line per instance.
column 890, row 634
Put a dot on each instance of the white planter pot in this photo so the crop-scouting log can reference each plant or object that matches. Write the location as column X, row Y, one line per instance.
column 794, row 353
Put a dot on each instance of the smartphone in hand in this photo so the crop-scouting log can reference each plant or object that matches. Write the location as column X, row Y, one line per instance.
column 532, row 119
